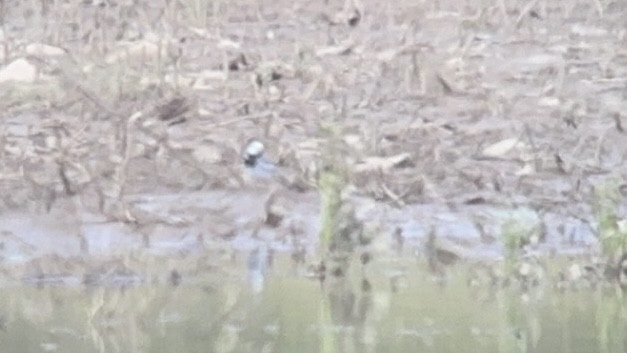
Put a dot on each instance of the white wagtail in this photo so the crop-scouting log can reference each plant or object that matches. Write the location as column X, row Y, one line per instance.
column 261, row 167
column 255, row 161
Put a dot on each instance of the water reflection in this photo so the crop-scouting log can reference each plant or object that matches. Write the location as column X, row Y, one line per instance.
column 258, row 262
column 262, row 304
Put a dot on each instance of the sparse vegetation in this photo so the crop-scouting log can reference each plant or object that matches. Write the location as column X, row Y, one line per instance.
column 516, row 233
column 611, row 229
column 332, row 181
column 116, row 99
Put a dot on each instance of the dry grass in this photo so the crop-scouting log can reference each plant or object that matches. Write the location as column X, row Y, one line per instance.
column 143, row 96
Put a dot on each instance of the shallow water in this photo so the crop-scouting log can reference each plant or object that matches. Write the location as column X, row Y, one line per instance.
column 266, row 304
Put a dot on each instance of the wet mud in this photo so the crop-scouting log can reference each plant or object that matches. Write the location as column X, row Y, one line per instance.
column 126, row 145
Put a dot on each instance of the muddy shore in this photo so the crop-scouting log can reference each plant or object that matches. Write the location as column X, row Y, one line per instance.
column 126, row 138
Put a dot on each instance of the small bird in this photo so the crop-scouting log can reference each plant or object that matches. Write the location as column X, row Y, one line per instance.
column 252, row 152
column 254, row 159
column 261, row 167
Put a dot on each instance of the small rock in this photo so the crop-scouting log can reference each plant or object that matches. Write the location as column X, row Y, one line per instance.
column 39, row 49
column 19, row 70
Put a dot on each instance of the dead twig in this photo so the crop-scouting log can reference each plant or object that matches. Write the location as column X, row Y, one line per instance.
column 259, row 116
